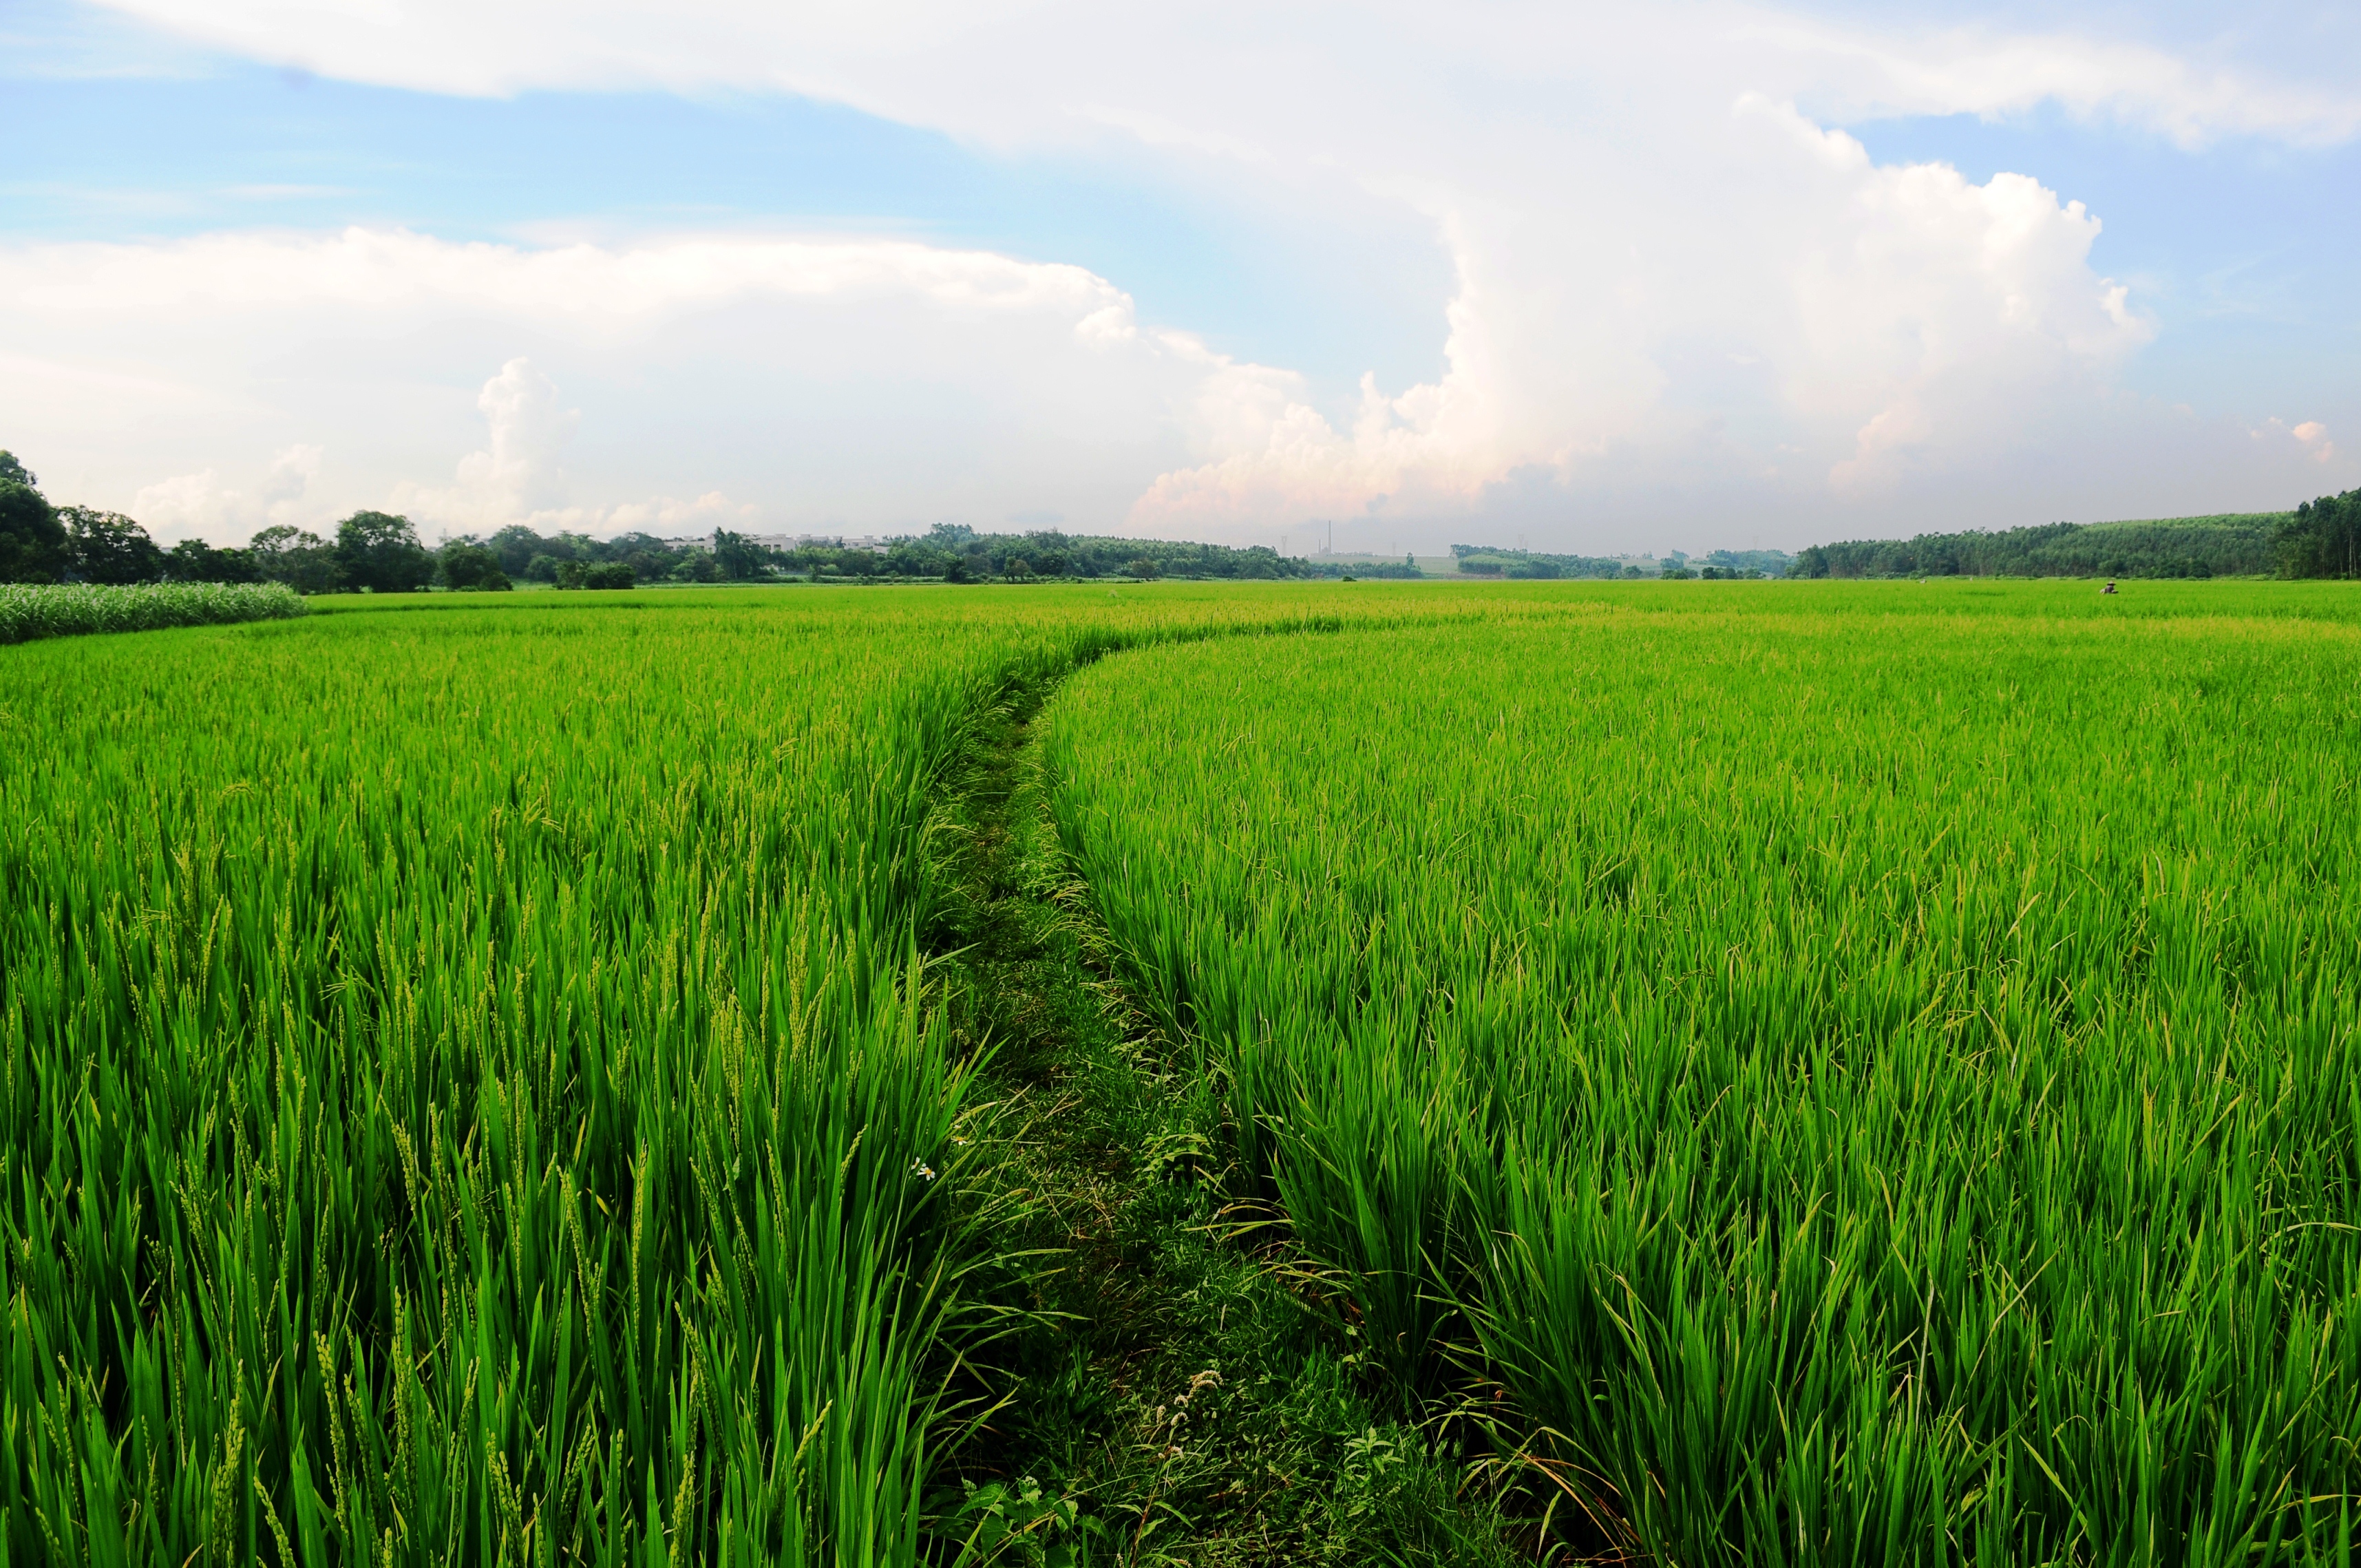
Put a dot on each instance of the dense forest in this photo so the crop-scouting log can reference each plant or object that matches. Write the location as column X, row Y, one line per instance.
column 2229, row 545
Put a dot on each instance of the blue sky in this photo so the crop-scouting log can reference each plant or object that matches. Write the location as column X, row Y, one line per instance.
column 227, row 143
column 1609, row 281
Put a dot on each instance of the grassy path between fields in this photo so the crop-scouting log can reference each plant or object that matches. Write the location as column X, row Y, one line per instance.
column 1167, row 1399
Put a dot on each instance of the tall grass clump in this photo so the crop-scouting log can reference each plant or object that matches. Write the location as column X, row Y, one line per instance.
column 30, row 611
column 1824, row 1074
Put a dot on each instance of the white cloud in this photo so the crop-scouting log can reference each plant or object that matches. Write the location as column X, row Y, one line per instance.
column 189, row 504
column 1981, row 71
column 519, row 473
column 869, row 382
column 1006, row 68
column 519, row 479
column 1677, row 287
column 382, row 269
column 1900, row 312
column 292, row 473
column 2308, row 439
column 198, row 505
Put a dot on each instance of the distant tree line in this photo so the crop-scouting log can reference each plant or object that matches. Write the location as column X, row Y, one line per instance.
column 1747, row 564
column 628, row 560
column 2321, row 539
column 949, row 551
column 40, row 542
column 958, row 553
column 381, row 553
column 1493, row 561
column 2228, row 545
column 1403, row 570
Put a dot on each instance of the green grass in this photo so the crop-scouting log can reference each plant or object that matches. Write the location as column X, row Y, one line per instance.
column 1772, row 1071
column 464, row 1079
column 467, row 1076
column 31, row 611
column 1863, row 1074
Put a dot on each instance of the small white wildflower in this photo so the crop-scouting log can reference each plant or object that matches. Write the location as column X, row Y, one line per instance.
column 923, row 1171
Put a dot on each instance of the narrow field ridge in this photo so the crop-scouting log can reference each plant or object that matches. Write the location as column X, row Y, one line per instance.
column 1169, row 1394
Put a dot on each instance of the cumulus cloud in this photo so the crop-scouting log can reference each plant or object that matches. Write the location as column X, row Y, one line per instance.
column 1674, row 277
column 519, row 477
column 199, row 505
column 2309, row 439
column 1905, row 317
column 844, row 381
column 519, row 473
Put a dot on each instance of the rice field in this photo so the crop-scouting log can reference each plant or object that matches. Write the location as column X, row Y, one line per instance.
column 1859, row 1076
column 469, row 1087
column 1795, row 1072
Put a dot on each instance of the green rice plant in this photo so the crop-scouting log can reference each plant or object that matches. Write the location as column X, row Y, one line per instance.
column 470, row 1087
column 1837, row 1073
column 30, row 611
column 468, row 1084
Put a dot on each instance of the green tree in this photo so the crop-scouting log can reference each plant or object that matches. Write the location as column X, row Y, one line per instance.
column 467, row 567
column 2321, row 539
column 195, row 561
column 518, row 547
column 739, row 558
column 300, row 559
column 108, row 547
column 32, row 541
column 380, row 551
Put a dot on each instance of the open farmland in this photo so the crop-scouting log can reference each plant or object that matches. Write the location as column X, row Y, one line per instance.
column 1795, row 1072
column 1855, row 1077
column 466, row 1073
